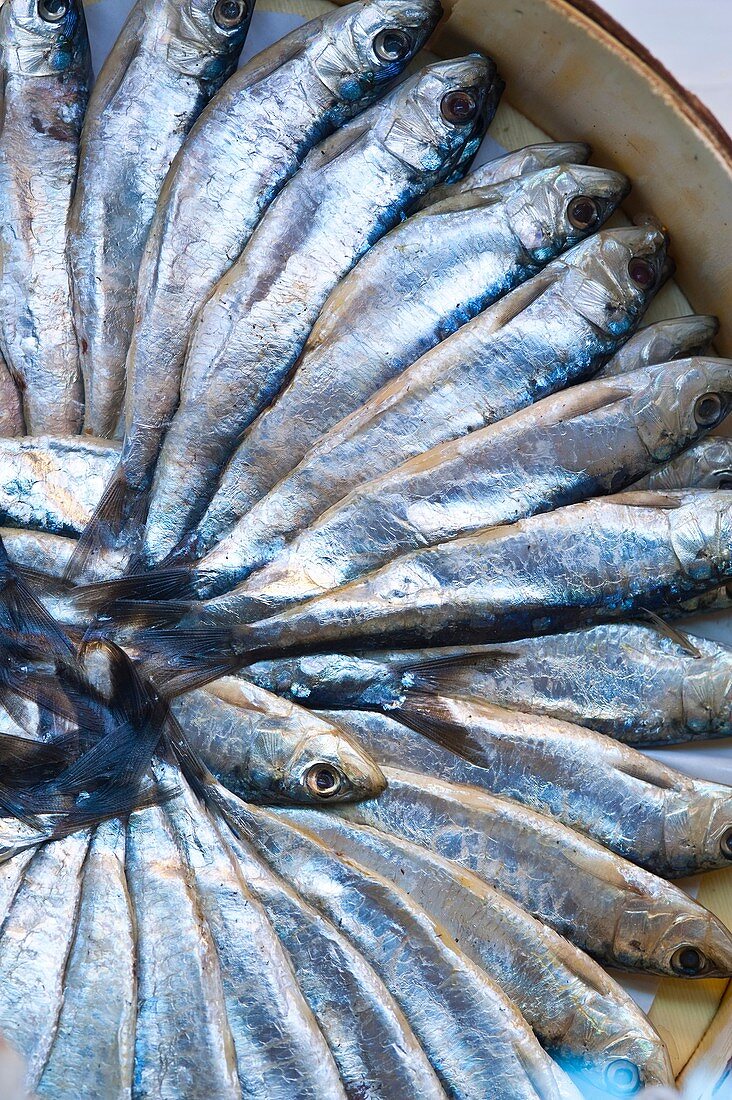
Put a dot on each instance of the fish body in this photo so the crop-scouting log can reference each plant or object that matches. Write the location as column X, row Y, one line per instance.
column 675, row 338
column 421, row 282
column 556, row 329
column 168, row 61
column 12, row 422
column 620, row 913
column 269, row 750
column 46, row 72
column 587, row 441
column 350, row 190
column 706, row 465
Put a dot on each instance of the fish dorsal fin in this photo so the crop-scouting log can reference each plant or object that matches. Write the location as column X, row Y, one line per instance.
column 677, row 636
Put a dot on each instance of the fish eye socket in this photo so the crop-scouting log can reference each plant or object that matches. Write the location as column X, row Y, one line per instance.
column 622, row 1077
column 583, row 212
column 725, row 844
column 229, row 14
column 708, row 409
column 53, row 11
column 392, row 44
column 323, row 780
column 642, row 273
column 688, row 961
column 459, row 106
column 725, row 482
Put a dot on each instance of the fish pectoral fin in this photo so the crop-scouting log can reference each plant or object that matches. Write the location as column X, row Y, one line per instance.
column 428, row 715
column 649, row 498
column 514, row 303
column 436, row 674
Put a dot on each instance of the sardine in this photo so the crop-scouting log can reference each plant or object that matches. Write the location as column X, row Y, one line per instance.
column 183, row 1041
column 608, row 558
column 706, row 465
column 580, row 1015
column 416, row 286
column 94, row 1041
column 247, row 143
column 46, row 72
column 475, row 1038
column 247, row 338
column 168, row 61
column 556, row 329
column 268, row 750
column 280, row 1050
column 650, row 814
column 367, row 1032
column 677, row 338
column 11, row 404
column 618, row 912
column 591, row 440
column 35, row 941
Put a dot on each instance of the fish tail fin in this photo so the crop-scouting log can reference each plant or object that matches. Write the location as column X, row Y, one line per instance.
column 177, row 585
column 430, row 716
column 181, row 660
column 23, row 615
column 118, row 518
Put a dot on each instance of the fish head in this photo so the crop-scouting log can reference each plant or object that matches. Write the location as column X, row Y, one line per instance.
column 436, row 121
column 681, row 402
column 714, row 818
column 43, row 37
column 633, row 1058
column 328, row 768
column 695, row 944
column 365, row 47
column 611, row 278
column 556, row 208
column 204, row 37
column 700, row 532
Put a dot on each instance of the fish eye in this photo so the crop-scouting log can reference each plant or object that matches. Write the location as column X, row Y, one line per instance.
column 53, row 11
column 622, row 1077
column 583, row 212
column 688, row 961
column 642, row 273
column 459, row 106
column 725, row 483
column 392, row 44
column 323, row 780
column 725, row 844
column 229, row 13
column 708, row 409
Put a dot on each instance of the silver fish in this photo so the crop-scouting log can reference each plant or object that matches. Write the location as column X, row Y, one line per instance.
column 706, row 465
column 46, row 71
column 616, row 911
column 593, row 439
column 12, row 422
column 605, row 559
column 247, row 143
column 35, row 941
column 648, row 813
column 94, row 1040
column 280, row 1050
column 367, row 1032
column 268, row 750
column 580, row 1015
column 183, row 1042
column 168, row 61
column 248, row 336
column 555, row 329
column 677, row 338
column 414, row 956
column 420, row 283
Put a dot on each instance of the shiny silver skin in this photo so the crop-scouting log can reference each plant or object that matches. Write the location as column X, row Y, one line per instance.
column 421, row 282
column 269, row 750
column 52, row 483
column 608, row 558
column 247, row 143
column 35, row 940
column 45, row 69
column 677, row 338
column 367, row 1032
column 247, row 338
column 279, row 1049
column 620, row 913
column 168, row 61
column 474, row 1036
column 706, row 465
column 580, row 1015
column 650, row 814
column 183, row 1041
column 11, row 404
column 94, row 1040
column 557, row 328
column 627, row 680
column 590, row 440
